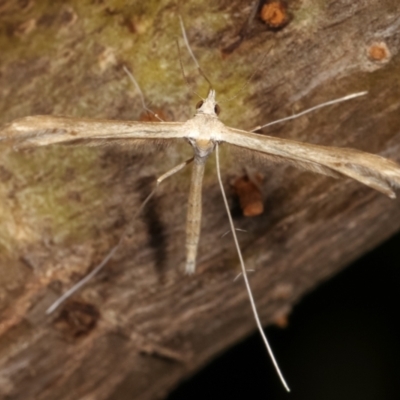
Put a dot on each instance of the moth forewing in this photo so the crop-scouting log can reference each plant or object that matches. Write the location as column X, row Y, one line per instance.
column 43, row 130
column 372, row 170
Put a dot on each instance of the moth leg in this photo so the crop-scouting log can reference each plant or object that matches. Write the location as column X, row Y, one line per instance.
column 246, row 280
column 111, row 253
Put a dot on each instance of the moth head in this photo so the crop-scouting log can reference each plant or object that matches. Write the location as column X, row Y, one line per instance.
column 209, row 105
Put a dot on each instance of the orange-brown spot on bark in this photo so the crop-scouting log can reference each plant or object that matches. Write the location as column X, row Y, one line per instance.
column 282, row 321
column 77, row 319
column 379, row 52
column 275, row 14
column 249, row 194
column 147, row 116
column 73, row 133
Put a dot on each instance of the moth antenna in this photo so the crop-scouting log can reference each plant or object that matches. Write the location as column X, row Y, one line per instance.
column 183, row 72
column 134, row 81
column 327, row 103
column 107, row 258
column 187, row 44
column 246, row 280
column 186, row 40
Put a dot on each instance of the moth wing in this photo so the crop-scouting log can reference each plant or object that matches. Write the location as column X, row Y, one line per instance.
column 43, row 130
column 372, row 170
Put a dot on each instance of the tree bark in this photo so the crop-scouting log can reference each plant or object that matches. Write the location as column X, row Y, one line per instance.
column 142, row 325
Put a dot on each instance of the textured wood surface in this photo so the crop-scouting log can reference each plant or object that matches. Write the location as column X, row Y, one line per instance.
column 142, row 325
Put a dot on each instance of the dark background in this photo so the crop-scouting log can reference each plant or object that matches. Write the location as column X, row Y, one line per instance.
column 342, row 342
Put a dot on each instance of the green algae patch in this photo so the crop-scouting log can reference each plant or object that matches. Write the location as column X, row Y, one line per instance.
column 49, row 194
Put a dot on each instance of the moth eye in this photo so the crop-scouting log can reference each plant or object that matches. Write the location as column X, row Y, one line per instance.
column 199, row 104
column 217, row 109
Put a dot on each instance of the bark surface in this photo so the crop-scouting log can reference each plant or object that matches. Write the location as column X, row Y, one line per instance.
column 142, row 326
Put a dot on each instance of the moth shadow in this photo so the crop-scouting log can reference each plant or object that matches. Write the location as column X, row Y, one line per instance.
column 156, row 232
